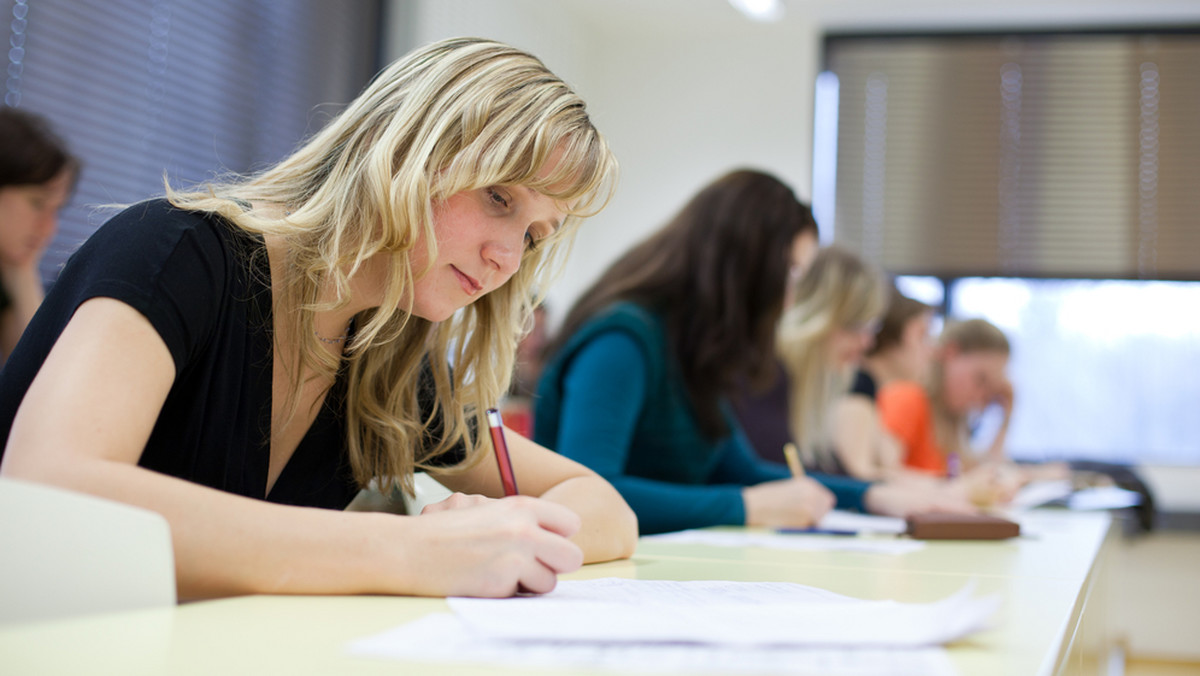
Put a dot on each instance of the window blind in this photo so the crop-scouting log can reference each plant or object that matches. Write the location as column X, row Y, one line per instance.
column 1035, row 155
column 139, row 88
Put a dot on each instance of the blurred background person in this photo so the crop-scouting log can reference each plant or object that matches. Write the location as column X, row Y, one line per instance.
column 834, row 312
column 931, row 419
column 36, row 177
column 901, row 351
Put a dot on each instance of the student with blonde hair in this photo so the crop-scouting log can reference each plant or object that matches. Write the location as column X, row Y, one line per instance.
column 831, row 322
column 236, row 357
column 902, row 351
column 833, row 314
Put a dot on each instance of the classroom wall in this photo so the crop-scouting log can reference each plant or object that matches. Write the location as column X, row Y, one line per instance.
column 687, row 89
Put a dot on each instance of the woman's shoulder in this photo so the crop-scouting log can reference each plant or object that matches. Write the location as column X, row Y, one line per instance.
column 619, row 320
column 159, row 217
column 903, row 394
column 157, row 231
column 626, row 315
column 864, row 384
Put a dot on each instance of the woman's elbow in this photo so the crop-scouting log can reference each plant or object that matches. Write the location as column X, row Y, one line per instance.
column 615, row 533
column 619, row 533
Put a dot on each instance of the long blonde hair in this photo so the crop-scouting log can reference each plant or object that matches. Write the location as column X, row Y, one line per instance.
column 456, row 115
column 839, row 290
column 968, row 337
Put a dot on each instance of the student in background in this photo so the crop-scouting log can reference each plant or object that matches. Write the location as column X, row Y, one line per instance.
column 828, row 326
column 835, row 309
column 237, row 356
column 902, row 351
column 931, row 420
column 36, row 177
column 517, row 405
column 639, row 382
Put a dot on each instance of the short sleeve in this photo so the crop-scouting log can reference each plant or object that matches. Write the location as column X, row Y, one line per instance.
column 168, row 264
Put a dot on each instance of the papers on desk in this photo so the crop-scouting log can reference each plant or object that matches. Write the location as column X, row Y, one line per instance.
column 442, row 638
column 1038, row 493
column 835, row 520
column 862, row 523
column 674, row 626
column 1104, row 497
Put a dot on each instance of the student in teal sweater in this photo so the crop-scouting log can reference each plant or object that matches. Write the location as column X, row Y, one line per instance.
column 637, row 383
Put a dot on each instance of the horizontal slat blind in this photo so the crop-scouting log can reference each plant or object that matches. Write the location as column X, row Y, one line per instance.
column 193, row 89
column 1058, row 155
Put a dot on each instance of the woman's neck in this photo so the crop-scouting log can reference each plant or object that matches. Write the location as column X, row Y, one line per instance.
column 331, row 326
column 883, row 370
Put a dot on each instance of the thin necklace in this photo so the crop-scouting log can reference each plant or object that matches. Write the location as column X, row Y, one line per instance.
column 331, row 341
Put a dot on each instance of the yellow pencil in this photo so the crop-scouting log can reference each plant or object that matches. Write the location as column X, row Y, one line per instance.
column 793, row 460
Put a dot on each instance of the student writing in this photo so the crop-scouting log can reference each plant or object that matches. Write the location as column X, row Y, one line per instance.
column 833, row 314
column 238, row 357
column 639, row 382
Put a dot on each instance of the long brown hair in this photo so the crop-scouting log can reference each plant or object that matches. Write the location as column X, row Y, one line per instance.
column 33, row 153
column 716, row 273
column 900, row 311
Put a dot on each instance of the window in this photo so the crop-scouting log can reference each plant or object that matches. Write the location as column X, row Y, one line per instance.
column 1045, row 181
column 1035, row 154
column 1103, row 368
column 139, row 88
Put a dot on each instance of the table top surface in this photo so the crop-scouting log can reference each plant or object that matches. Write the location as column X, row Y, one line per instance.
column 1040, row 577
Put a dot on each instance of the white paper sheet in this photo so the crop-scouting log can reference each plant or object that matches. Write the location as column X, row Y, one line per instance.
column 862, row 523
column 443, row 638
column 728, row 613
column 1036, row 493
column 1104, row 497
column 792, row 541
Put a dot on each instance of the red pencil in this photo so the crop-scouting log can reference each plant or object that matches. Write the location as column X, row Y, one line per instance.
column 496, row 427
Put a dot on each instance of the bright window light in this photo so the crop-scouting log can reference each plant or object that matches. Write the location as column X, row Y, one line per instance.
column 760, row 10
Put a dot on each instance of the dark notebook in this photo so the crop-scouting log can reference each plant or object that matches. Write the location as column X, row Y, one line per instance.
column 935, row 526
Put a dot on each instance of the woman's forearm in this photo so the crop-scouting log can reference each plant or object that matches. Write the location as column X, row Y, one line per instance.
column 610, row 528
column 227, row 545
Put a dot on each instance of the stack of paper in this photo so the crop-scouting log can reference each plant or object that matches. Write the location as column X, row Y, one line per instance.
column 793, row 541
column 1038, row 493
column 837, row 521
column 673, row 626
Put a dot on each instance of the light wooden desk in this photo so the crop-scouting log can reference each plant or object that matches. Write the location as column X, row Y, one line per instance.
column 1044, row 582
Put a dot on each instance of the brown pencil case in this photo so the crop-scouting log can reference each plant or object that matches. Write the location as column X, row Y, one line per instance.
column 936, row 526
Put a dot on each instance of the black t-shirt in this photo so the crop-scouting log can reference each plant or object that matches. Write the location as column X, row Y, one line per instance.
column 864, row 384
column 204, row 285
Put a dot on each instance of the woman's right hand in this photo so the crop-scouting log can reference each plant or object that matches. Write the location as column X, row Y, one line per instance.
column 491, row 548
column 787, row 503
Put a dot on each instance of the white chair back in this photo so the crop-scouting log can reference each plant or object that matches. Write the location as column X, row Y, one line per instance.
column 64, row 553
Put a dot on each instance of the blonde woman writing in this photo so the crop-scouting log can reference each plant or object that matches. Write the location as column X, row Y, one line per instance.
column 832, row 317
column 245, row 358
column 902, row 351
